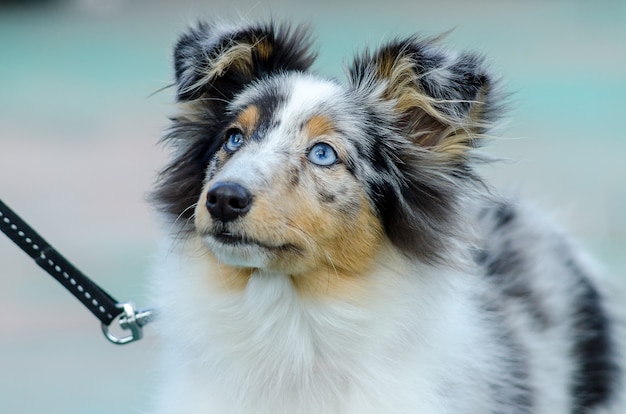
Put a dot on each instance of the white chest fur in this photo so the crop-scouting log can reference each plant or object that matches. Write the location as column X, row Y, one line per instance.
column 266, row 349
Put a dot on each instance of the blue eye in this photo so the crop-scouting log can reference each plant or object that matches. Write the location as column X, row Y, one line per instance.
column 234, row 139
column 322, row 154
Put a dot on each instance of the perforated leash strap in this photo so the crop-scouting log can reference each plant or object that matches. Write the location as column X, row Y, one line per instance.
column 99, row 302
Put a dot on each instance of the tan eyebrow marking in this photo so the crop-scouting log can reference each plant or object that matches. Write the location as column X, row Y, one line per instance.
column 248, row 119
column 319, row 125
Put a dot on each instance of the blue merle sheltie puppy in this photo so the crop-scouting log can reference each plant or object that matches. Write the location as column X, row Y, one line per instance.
column 332, row 249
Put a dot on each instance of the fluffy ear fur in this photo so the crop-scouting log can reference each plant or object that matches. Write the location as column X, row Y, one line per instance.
column 436, row 105
column 218, row 61
column 213, row 63
column 443, row 101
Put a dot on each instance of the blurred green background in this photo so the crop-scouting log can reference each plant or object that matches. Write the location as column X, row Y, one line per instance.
column 78, row 151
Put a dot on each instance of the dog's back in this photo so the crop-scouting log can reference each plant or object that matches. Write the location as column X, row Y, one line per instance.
column 334, row 251
column 549, row 295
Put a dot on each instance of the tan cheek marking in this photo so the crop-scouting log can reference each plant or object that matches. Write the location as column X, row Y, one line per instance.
column 318, row 126
column 202, row 220
column 345, row 251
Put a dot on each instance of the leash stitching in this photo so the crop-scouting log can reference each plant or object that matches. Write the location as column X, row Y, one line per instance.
column 89, row 294
column 54, row 265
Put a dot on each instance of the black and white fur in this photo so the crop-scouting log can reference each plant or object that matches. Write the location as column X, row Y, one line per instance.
column 331, row 248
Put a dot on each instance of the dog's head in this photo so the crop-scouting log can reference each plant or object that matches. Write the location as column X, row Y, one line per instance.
column 277, row 168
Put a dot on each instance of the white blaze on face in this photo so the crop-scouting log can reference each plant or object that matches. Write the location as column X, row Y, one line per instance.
column 255, row 164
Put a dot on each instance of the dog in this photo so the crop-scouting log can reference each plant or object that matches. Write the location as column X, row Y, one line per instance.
column 330, row 247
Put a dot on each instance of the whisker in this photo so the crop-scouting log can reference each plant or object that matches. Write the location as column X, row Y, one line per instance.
column 193, row 206
column 302, row 235
column 181, row 228
column 330, row 260
column 160, row 90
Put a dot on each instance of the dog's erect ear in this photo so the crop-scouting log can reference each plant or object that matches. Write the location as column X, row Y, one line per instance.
column 442, row 101
column 435, row 106
column 218, row 61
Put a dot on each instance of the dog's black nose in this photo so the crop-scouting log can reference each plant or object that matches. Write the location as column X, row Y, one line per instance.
column 227, row 201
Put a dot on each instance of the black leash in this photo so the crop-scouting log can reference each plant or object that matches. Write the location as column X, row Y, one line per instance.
column 99, row 302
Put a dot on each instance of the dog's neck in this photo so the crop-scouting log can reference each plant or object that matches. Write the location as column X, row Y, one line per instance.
column 267, row 338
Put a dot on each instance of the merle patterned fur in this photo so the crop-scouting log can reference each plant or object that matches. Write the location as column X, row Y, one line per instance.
column 419, row 194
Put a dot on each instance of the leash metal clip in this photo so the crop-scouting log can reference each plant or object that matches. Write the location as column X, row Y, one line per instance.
column 130, row 319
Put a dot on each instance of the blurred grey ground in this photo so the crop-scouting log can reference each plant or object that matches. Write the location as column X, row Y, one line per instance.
column 78, row 153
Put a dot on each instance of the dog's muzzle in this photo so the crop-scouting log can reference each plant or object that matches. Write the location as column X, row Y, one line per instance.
column 227, row 201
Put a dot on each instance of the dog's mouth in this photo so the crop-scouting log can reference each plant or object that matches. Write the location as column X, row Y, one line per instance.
column 233, row 239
